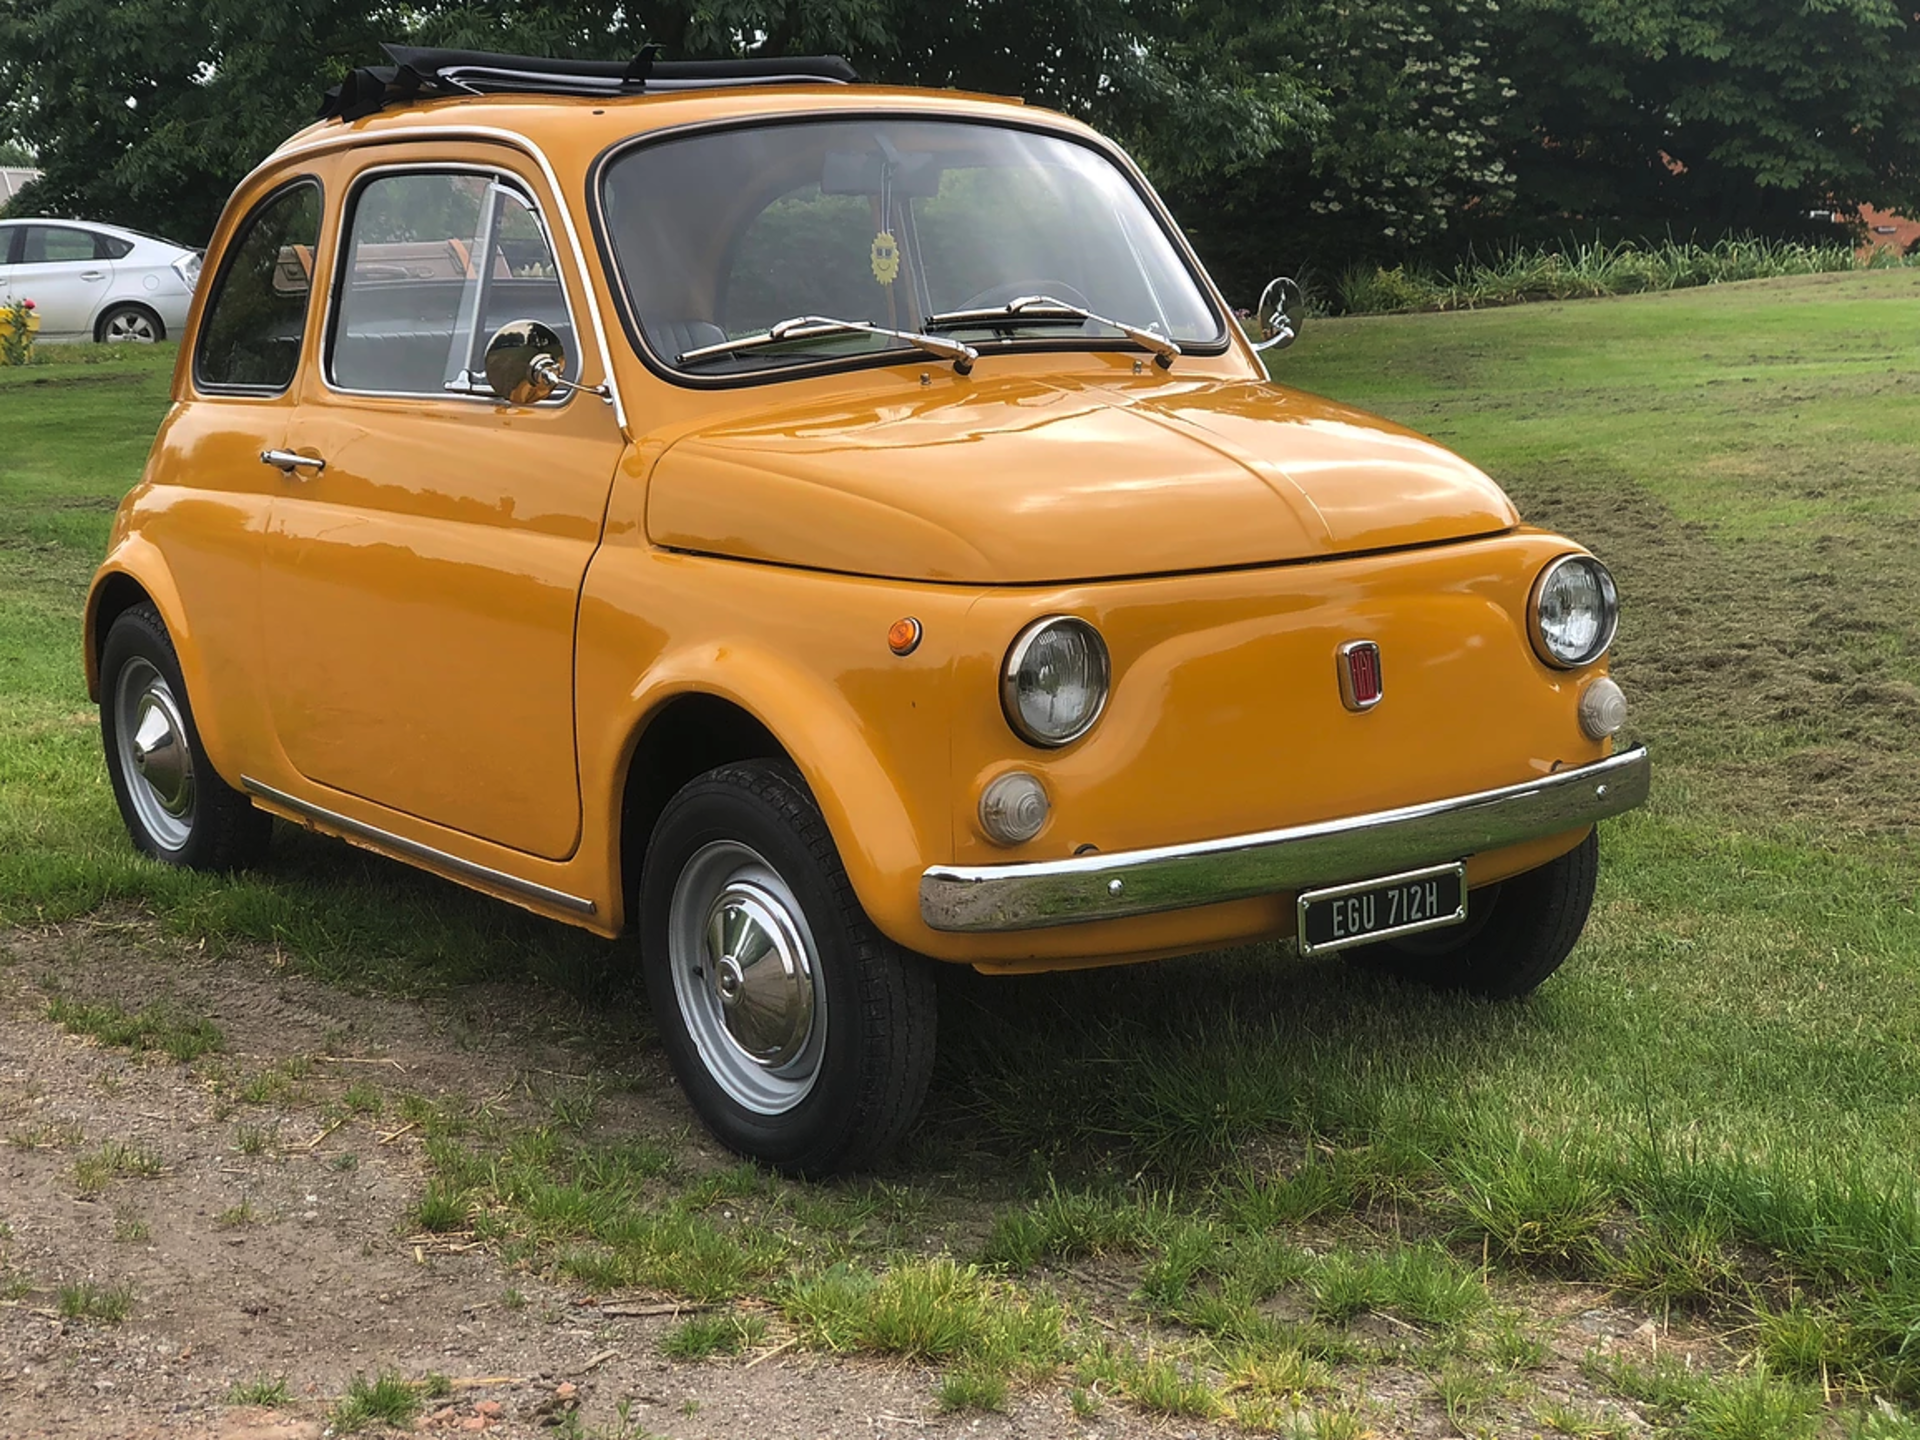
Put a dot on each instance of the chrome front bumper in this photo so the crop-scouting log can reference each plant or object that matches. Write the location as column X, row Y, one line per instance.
column 1044, row 893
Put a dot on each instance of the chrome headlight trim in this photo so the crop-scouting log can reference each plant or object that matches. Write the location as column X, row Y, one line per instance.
column 1610, row 595
column 1017, row 654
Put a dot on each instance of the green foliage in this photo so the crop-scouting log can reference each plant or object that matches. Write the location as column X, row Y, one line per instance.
column 1708, row 116
column 387, row 1399
column 261, row 1390
column 157, row 1027
column 86, row 1300
column 726, row 1333
column 1582, row 271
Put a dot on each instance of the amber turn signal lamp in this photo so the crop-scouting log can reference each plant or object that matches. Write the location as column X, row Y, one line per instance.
column 903, row 637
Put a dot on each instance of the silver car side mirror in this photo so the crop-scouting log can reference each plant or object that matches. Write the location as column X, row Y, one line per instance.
column 526, row 363
column 1274, row 317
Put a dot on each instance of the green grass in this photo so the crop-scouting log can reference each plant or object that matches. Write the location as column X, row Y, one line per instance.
column 1712, row 1108
column 704, row 1336
column 387, row 1399
column 86, row 1300
column 92, row 1173
column 261, row 1390
column 185, row 1038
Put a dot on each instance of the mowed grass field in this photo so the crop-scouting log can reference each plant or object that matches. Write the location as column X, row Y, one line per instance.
column 1714, row 1108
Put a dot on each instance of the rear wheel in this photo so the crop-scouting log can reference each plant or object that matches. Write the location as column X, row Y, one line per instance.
column 129, row 325
column 1517, row 932
column 175, row 806
column 802, row 1036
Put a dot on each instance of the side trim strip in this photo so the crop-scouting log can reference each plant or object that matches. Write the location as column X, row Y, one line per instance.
column 426, row 854
column 1039, row 894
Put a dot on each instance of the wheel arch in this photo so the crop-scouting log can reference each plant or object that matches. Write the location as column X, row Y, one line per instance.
column 758, row 707
column 135, row 574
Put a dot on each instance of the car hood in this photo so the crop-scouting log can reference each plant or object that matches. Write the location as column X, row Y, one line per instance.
column 1016, row 480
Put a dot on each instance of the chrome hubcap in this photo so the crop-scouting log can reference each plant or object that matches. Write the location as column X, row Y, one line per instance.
column 134, row 328
column 747, row 977
column 154, row 759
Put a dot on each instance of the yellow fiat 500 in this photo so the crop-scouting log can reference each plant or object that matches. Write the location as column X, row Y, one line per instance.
column 826, row 530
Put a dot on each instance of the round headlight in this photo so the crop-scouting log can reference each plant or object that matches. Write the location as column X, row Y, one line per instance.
column 1573, row 612
column 1054, row 684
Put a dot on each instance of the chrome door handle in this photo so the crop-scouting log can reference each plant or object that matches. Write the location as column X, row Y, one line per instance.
column 291, row 462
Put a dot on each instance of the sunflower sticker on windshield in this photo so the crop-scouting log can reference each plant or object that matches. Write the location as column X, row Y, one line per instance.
column 886, row 257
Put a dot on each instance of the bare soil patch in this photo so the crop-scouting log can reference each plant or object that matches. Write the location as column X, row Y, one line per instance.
column 268, row 1237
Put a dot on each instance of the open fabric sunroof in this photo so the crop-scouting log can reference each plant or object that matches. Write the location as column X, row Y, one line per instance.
column 421, row 73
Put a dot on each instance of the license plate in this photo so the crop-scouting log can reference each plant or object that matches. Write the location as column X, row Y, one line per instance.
column 1370, row 910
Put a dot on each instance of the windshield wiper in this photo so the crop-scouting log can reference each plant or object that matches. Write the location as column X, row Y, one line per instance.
column 811, row 327
column 1045, row 310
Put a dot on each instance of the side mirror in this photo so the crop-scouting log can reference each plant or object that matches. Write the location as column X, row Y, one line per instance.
column 525, row 361
column 1274, row 318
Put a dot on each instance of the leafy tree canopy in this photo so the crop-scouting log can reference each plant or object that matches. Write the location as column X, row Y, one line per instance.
column 1287, row 132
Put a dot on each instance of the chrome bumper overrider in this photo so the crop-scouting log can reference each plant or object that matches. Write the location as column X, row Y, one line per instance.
column 1175, row 877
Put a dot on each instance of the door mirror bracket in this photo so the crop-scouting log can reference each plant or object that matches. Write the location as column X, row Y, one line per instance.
column 526, row 363
column 1274, row 318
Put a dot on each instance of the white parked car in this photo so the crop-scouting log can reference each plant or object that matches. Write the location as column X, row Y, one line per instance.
column 97, row 282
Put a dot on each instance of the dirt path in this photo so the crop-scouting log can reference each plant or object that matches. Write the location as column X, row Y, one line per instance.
column 260, row 1249
column 249, row 1215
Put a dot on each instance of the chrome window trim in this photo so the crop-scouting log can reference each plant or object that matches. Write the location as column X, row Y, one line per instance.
column 338, row 281
column 349, row 140
column 1221, row 344
column 402, row 847
column 1036, row 895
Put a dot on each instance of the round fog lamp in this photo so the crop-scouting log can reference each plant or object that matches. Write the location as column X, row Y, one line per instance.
column 1573, row 612
column 1054, row 684
column 1013, row 807
column 1603, row 709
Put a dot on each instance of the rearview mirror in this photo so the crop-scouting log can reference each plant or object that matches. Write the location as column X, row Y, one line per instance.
column 913, row 173
column 1274, row 318
column 525, row 361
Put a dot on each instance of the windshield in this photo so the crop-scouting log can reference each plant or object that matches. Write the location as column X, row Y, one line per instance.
column 890, row 223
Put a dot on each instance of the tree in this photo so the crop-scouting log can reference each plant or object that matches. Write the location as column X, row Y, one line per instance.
column 1414, row 104
column 1710, row 116
column 148, row 112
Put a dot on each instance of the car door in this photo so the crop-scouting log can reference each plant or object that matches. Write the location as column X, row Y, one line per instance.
column 424, row 562
column 201, row 512
column 63, row 270
column 9, row 237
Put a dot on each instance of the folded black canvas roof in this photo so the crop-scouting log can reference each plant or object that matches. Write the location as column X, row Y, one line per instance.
column 424, row 73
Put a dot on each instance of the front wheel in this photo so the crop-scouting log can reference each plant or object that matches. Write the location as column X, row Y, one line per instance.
column 802, row 1036
column 1516, row 935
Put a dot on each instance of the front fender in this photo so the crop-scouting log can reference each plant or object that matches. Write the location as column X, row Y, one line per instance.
column 880, row 839
column 806, row 656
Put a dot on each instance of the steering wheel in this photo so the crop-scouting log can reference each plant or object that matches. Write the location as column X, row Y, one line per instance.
column 1007, row 294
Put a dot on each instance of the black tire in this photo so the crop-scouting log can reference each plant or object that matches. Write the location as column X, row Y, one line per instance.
column 852, row 1085
column 1517, row 933
column 217, row 828
column 141, row 326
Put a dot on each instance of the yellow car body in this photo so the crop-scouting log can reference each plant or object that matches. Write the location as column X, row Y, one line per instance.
column 492, row 639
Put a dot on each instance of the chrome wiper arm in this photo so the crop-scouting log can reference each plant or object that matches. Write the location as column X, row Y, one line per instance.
column 1046, row 309
column 810, row 327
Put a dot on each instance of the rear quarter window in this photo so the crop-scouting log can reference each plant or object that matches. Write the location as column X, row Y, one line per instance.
column 255, row 321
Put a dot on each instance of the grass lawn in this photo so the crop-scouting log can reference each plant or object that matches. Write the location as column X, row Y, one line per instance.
column 1715, row 1105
